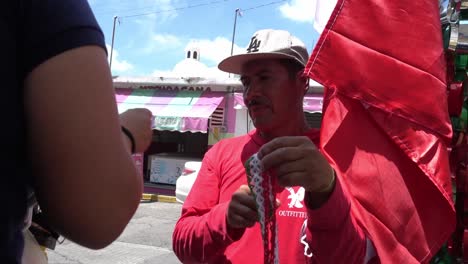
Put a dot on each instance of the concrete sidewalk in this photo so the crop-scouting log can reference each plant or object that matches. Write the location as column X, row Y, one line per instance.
column 146, row 239
column 117, row 253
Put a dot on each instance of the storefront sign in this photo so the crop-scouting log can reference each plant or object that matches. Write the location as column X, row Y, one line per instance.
column 173, row 88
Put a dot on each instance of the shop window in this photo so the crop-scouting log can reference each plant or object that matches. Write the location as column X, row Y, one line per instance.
column 180, row 144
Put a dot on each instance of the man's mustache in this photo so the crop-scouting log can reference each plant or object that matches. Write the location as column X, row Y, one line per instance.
column 256, row 101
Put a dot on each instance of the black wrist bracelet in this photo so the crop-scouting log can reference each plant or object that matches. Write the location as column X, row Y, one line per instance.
column 130, row 136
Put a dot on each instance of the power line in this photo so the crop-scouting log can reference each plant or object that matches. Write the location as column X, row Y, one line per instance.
column 198, row 5
column 111, row 9
column 106, row 4
column 260, row 6
column 176, row 9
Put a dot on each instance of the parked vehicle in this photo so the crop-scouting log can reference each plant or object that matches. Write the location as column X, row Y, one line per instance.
column 185, row 182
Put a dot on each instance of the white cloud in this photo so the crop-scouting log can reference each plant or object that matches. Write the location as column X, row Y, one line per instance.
column 154, row 12
column 216, row 73
column 166, row 39
column 208, row 72
column 165, row 5
column 162, row 73
column 212, row 51
column 161, row 42
column 117, row 64
column 161, row 10
column 299, row 10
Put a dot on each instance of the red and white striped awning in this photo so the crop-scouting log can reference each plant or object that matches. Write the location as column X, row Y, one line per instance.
column 184, row 111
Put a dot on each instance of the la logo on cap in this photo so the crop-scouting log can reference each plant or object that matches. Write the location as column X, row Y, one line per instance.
column 254, row 45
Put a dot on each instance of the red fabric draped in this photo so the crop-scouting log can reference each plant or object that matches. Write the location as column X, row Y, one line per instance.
column 385, row 125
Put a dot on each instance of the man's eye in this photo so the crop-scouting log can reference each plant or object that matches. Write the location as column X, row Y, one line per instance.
column 264, row 77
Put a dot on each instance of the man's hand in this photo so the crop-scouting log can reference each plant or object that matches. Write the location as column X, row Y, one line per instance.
column 296, row 161
column 138, row 121
column 242, row 211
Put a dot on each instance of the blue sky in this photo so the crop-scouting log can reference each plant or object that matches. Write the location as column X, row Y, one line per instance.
column 152, row 35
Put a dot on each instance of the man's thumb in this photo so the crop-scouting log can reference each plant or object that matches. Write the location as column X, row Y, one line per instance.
column 245, row 189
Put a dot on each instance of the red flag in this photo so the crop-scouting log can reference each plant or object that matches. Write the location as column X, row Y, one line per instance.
column 385, row 125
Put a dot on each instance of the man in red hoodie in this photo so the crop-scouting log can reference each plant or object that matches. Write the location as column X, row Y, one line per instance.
column 219, row 222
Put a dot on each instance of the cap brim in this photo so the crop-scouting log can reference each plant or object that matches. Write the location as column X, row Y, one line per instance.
column 235, row 63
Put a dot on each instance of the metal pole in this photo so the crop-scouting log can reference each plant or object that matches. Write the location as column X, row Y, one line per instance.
column 234, row 33
column 112, row 45
column 234, row 30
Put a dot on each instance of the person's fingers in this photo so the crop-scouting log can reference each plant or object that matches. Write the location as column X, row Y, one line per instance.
column 244, row 211
column 244, row 196
column 280, row 156
column 282, row 142
column 291, row 179
column 292, row 166
column 238, row 221
column 278, row 202
column 138, row 121
column 245, row 188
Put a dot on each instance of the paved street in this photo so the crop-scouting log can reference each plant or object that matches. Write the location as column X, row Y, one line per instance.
column 147, row 239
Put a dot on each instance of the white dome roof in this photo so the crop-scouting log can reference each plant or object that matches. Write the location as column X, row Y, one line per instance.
column 190, row 68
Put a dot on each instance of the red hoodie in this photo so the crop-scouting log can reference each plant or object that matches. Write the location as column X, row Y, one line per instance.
column 325, row 235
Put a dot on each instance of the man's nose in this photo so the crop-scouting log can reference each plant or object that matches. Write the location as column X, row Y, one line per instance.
column 252, row 89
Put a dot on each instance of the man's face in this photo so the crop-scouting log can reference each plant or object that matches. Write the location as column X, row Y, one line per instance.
column 270, row 94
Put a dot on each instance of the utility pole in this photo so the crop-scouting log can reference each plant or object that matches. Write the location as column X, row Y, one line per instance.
column 236, row 13
column 112, row 45
column 234, row 29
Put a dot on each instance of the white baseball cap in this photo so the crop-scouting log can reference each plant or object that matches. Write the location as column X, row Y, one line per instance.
column 267, row 44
